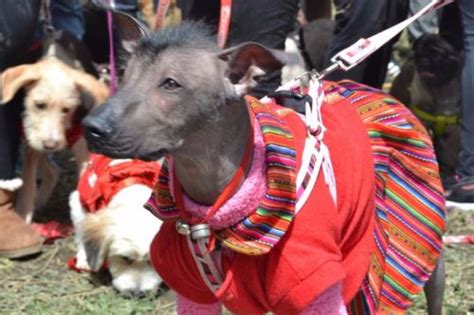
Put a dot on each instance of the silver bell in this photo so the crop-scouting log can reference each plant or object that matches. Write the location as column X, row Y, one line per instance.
column 182, row 227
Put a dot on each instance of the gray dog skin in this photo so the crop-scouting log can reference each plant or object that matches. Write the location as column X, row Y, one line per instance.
column 181, row 96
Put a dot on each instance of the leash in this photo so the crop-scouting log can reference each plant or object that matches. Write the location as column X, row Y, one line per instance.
column 113, row 68
column 224, row 22
column 363, row 48
column 161, row 11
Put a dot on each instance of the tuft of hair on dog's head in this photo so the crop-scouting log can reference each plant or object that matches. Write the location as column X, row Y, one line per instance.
column 436, row 60
column 192, row 34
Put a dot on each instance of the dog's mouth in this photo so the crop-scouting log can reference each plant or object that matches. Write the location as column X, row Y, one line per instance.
column 117, row 151
column 153, row 156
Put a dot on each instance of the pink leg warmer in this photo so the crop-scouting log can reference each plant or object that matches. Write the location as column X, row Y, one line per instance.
column 188, row 307
column 329, row 302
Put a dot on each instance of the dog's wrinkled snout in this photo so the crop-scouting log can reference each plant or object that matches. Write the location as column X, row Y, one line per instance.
column 96, row 127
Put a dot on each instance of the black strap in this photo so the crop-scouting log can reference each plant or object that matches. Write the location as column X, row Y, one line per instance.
column 295, row 101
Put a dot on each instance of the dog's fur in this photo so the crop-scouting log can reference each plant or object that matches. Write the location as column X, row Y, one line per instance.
column 120, row 234
column 56, row 98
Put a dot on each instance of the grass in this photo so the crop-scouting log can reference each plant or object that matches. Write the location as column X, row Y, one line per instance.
column 44, row 285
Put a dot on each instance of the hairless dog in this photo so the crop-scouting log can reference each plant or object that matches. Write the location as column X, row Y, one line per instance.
column 183, row 99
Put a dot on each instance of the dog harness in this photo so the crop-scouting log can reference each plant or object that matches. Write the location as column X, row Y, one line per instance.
column 105, row 177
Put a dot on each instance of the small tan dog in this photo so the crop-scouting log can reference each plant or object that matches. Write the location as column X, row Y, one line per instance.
column 57, row 97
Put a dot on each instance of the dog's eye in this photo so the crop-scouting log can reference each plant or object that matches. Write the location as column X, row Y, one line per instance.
column 126, row 259
column 40, row 106
column 65, row 110
column 170, row 84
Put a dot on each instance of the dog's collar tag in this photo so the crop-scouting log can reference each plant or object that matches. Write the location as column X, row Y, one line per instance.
column 183, row 228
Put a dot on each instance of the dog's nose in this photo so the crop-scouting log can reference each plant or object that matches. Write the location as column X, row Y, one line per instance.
column 50, row 144
column 96, row 128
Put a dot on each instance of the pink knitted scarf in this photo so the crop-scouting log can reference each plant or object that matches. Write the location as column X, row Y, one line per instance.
column 246, row 199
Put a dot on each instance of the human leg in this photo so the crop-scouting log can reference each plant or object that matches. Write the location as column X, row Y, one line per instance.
column 462, row 194
column 17, row 239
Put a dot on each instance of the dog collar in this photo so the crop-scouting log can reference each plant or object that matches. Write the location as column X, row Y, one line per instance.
column 440, row 121
column 276, row 208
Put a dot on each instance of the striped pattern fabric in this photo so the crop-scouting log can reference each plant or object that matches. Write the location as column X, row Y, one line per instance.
column 162, row 203
column 261, row 230
column 410, row 207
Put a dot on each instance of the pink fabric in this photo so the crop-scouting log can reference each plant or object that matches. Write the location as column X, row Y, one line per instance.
column 188, row 307
column 247, row 198
column 329, row 302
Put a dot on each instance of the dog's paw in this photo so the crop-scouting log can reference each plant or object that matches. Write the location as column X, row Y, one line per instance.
column 81, row 261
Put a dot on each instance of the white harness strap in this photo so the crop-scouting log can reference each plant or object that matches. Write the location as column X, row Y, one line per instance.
column 210, row 273
column 316, row 153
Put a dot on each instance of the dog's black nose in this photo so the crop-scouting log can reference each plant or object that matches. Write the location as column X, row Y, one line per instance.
column 96, row 127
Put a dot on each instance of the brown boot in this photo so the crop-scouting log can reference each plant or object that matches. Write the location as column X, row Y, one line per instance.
column 17, row 239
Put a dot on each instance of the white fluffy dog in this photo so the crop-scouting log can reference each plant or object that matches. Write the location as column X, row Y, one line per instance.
column 119, row 233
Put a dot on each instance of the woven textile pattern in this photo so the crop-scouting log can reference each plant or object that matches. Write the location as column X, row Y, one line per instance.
column 410, row 206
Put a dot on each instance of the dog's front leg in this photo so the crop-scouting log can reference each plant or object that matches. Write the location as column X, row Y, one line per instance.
column 26, row 195
column 49, row 179
column 81, row 155
column 434, row 289
column 188, row 307
column 77, row 216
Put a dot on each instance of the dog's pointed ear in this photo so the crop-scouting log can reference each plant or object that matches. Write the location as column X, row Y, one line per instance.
column 15, row 78
column 129, row 29
column 96, row 253
column 96, row 239
column 248, row 61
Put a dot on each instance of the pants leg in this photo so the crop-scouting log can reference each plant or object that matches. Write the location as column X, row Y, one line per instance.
column 67, row 15
column 9, row 137
column 427, row 24
column 466, row 167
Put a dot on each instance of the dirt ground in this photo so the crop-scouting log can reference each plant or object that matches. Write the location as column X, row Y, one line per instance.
column 44, row 285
